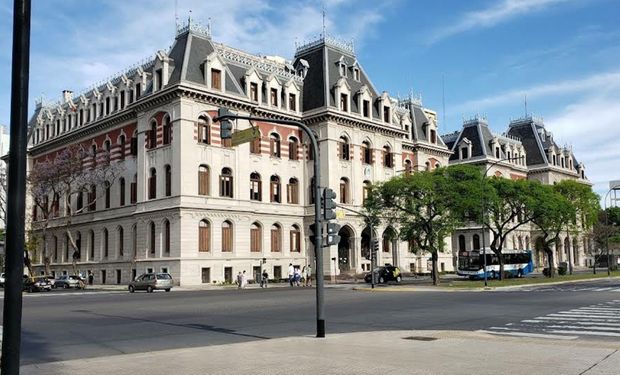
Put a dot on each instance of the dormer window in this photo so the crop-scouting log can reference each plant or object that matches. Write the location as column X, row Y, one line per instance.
column 254, row 91
column 356, row 74
column 158, row 80
column 292, row 102
column 386, row 113
column 274, row 97
column 366, row 108
column 433, row 136
column 344, row 102
column 343, row 70
column 216, row 79
column 464, row 153
column 496, row 152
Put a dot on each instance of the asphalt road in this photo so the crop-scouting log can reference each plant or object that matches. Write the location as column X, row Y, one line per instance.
column 79, row 325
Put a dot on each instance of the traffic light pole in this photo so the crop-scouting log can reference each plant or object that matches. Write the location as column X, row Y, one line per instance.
column 16, row 196
column 318, row 237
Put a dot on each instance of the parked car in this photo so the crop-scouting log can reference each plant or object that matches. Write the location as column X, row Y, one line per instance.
column 385, row 274
column 2, row 279
column 36, row 284
column 151, row 282
column 69, row 281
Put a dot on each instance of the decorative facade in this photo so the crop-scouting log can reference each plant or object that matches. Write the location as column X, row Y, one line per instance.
column 188, row 204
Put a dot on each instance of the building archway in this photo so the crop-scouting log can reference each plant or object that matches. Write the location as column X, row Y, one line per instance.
column 540, row 253
column 345, row 247
column 390, row 246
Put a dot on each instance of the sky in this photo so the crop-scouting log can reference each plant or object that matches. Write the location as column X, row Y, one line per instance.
column 475, row 57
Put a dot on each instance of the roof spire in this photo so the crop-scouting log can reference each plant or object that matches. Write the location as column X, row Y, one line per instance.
column 323, row 6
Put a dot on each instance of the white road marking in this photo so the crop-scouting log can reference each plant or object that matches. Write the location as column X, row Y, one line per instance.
column 535, row 335
column 587, row 333
column 587, row 327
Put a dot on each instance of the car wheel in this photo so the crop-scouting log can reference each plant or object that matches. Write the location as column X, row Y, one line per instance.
column 65, row 286
column 167, row 290
column 131, row 289
column 398, row 279
column 520, row 273
column 149, row 289
column 381, row 280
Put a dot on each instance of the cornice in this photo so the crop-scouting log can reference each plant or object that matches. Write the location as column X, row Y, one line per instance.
column 338, row 118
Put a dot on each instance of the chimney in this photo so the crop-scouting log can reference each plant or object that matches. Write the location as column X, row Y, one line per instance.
column 67, row 95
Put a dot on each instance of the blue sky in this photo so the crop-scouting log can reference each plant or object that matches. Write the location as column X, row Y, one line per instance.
column 563, row 54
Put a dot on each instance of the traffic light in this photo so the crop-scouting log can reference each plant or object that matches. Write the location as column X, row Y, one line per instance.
column 314, row 231
column 329, row 205
column 332, row 234
column 375, row 246
column 226, row 125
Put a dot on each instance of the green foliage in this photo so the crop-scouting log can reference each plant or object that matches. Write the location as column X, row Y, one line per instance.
column 585, row 202
column 613, row 215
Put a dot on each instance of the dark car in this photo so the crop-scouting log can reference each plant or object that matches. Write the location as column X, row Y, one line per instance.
column 36, row 284
column 151, row 282
column 385, row 274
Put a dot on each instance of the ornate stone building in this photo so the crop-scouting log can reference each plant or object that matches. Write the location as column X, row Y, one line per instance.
column 189, row 205
column 539, row 158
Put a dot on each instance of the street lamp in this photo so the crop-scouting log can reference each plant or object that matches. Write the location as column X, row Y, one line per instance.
column 613, row 188
column 484, row 254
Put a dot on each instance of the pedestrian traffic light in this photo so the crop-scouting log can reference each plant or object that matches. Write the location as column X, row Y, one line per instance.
column 375, row 246
column 226, row 125
column 332, row 234
column 314, row 231
column 329, row 205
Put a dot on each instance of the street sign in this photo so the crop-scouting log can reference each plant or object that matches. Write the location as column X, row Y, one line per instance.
column 244, row 136
column 340, row 214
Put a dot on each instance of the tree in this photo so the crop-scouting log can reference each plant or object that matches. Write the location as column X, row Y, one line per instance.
column 420, row 205
column 508, row 205
column 66, row 178
column 586, row 205
column 551, row 212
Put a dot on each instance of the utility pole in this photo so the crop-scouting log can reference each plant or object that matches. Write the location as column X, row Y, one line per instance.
column 16, row 202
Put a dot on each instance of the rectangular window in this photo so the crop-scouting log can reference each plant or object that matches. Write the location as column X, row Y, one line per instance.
column 254, row 91
column 292, row 191
column 158, row 80
column 274, row 97
column 206, row 275
column 122, row 99
column 92, row 199
column 216, row 79
column 292, row 150
column 295, row 241
column 277, row 272
column 386, row 114
column 130, row 97
column 464, row 153
column 204, row 239
column 255, row 240
column 134, row 192
column 255, row 146
column 366, row 108
column 292, row 102
column 344, row 102
column 226, row 239
column 226, row 186
column 138, row 90
column 276, row 245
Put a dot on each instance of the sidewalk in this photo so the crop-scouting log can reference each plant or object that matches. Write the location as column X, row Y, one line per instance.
column 386, row 352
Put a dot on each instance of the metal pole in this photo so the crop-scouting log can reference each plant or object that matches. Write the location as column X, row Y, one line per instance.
column 607, row 236
column 320, row 310
column 16, row 197
column 373, row 256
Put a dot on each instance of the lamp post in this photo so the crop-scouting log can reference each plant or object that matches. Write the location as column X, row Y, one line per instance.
column 612, row 188
column 320, row 310
column 484, row 254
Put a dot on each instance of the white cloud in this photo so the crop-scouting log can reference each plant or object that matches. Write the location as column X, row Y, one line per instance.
column 491, row 16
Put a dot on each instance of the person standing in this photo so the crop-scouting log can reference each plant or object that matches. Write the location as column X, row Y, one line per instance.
column 308, row 275
column 291, row 274
column 297, row 276
column 244, row 280
column 239, row 280
column 263, row 280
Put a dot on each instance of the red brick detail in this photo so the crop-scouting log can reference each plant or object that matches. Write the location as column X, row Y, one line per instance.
column 514, row 176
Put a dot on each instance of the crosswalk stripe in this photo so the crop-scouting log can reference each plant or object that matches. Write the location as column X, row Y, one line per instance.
column 535, row 335
column 575, row 321
column 586, row 327
column 602, row 289
column 586, row 316
column 591, row 333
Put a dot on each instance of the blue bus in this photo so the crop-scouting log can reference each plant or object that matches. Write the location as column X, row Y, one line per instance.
column 516, row 262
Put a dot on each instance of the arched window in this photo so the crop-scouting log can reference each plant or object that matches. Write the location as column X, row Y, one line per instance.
column 292, row 190
column 121, row 241
column 105, row 242
column 134, row 189
column 274, row 145
column 91, row 247
column 152, row 238
column 121, row 183
column 367, row 152
column 344, row 190
column 274, row 189
column 167, row 130
column 168, row 173
column 388, row 161
column 276, row 238
column 461, row 243
column 256, row 244
column 203, row 180
column 226, row 183
column 107, row 146
column 366, row 191
column 152, row 136
column 293, row 149
column 255, row 187
column 227, row 236
column 295, row 237
column 476, row 242
column 408, row 166
column 344, row 149
column 204, row 236
column 153, row 184
column 204, row 130
column 166, row 237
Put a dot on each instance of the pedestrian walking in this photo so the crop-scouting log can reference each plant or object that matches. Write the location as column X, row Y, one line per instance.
column 239, row 280
column 291, row 273
column 297, row 276
column 308, row 275
column 244, row 280
column 263, row 280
